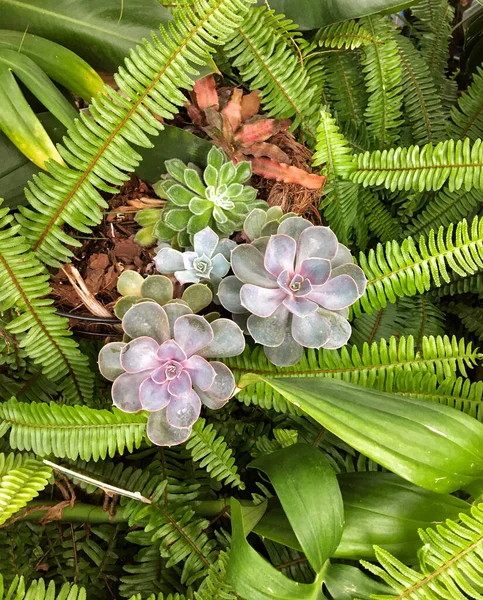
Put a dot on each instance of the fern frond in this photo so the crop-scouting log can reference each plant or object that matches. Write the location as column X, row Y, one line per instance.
column 466, row 119
column 433, row 27
column 406, row 269
column 44, row 335
column 383, row 73
column 331, row 149
column 408, row 316
column 457, row 163
column 471, row 317
column 422, row 104
column 450, row 562
column 183, row 535
column 347, row 35
column 264, row 50
column 70, row 431
column 459, row 393
column 145, row 575
column 38, row 590
column 215, row 586
column 21, row 480
column 374, row 366
column 473, row 284
column 98, row 148
column 341, row 208
column 345, row 88
column 213, row 454
column 379, row 219
column 444, row 208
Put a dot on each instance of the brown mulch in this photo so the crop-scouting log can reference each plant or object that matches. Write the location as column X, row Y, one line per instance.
column 108, row 252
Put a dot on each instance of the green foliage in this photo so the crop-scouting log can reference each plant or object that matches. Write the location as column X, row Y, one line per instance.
column 348, row 35
column 213, row 454
column 21, row 479
column 70, row 431
column 467, row 116
column 383, row 73
column 98, row 148
column 455, row 163
column 39, row 590
column 450, row 565
column 42, row 333
column 264, row 50
column 406, row 269
column 375, row 366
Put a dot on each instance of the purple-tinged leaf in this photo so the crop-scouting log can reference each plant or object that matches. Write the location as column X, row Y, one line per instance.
column 337, row 293
column 175, row 310
column 270, row 331
column 154, row 396
column 280, row 254
column 293, row 226
column 353, row 271
column 316, row 242
column 228, row 340
column 192, row 333
column 312, row 331
column 110, row 360
column 316, row 270
column 229, row 295
column 170, row 350
column 125, row 391
column 288, row 353
column 222, row 388
column 201, row 372
column 161, row 433
column 300, row 306
column 342, row 257
column 140, row 355
column 146, row 319
column 261, row 301
column 247, row 264
column 340, row 329
column 181, row 385
column 183, row 412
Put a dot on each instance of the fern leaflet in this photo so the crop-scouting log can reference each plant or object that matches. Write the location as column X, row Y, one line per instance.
column 98, row 148
column 467, row 116
column 348, row 35
column 43, row 334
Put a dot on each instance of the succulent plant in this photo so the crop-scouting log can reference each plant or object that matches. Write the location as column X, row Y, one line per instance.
column 262, row 222
column 236, row 126
column 164, row 368
column 135, row 288
column 295, row 287
column 209, row 261
column 216, row 198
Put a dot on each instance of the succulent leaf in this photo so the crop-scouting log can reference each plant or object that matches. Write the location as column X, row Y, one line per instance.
column 167, row 373
column 295, row 287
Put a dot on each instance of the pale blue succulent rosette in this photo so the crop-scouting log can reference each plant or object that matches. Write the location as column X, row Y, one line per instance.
column 294, row 289
column 207, row 262
column 165, row 370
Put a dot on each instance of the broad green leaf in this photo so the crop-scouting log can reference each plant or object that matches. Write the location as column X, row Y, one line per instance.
column 254, row 578
column 384, row 510
column 172, row 142
column 59, row 63
column 434, row 446
column 20, row 124
column 312, row 14
column 34, row 78
column 16, row 169
column 379, row 509
column 101, row 31
column 346, row 583
column 307, row 488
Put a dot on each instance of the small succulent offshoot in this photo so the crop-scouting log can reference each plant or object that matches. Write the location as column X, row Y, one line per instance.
column 216, row 198
column 164, row 368
column 208, row 262
column 295, row 287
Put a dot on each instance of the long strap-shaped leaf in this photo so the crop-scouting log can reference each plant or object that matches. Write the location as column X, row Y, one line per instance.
column 98, row 149
column 396, row 270
column 43, row 334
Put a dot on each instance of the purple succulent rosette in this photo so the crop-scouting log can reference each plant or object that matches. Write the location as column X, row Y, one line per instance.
column 296, row 286
column 164, row 368
column 208, row 261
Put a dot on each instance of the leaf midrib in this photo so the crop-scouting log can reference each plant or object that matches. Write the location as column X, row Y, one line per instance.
column 111, row 32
